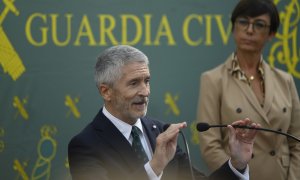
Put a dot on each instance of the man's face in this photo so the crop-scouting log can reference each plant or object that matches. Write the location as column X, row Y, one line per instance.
column 129, row 96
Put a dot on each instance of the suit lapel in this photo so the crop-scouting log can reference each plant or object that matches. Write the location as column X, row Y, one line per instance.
column 152, row 131
column 114, row 138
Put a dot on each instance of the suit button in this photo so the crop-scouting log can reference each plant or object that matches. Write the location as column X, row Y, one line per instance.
column 272, row 153
column 238, row 110
column 284, row 109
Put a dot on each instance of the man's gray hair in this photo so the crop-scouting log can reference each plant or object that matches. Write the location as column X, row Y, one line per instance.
column 110, row 62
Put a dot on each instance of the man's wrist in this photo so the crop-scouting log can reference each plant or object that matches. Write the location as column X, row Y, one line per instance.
column 240, row 175
column 155, row 167
column 238, row 165
column 150, row 172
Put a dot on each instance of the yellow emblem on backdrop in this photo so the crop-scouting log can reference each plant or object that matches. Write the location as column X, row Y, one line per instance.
column 286, row 49
column 19, row 105
column 171, row 102
column 20, row 169
column 71, row 103
column 46, row 149
column 9, row 58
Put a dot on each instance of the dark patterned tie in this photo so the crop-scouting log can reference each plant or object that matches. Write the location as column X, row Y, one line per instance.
column 137, row 144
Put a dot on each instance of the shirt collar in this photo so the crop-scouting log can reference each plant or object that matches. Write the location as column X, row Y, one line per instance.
column 237, row 71
column 123, row 127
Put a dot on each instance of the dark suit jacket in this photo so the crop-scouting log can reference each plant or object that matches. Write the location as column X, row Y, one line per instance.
column 101, row 152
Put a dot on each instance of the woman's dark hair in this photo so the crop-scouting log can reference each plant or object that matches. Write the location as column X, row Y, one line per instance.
column 253, row 8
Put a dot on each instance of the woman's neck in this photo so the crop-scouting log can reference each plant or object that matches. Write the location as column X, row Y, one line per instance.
column 248, row 62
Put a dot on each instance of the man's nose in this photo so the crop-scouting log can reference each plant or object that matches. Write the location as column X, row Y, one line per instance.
column 144, row 90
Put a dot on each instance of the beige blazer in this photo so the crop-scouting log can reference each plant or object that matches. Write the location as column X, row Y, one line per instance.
column 224, row 99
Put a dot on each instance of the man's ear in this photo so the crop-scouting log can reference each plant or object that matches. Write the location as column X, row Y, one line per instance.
column 105, row 91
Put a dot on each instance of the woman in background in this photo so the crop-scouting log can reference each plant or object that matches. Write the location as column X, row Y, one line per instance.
column 245, row 86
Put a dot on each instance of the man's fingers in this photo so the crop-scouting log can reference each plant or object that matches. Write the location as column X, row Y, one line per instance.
column 244, row 135
column 176, row 127
column 231, row 133
column 172, row 131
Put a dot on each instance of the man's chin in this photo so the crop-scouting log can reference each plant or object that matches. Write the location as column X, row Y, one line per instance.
column 141, row 114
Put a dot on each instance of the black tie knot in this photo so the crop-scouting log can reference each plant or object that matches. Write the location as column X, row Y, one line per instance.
column 135, row 131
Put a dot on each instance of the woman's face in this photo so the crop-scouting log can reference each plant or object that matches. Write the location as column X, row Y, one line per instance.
column 251, row 33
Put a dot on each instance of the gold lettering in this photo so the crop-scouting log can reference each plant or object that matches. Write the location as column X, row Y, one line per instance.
column 224, row 34
column 185, row 29
column 54, row 30
column 28, row 30
column 147, row 30
column 138, row 25
column 85, row 30
column 164, row 30
column 132, row 30
column 107, row 30
column 208, row 41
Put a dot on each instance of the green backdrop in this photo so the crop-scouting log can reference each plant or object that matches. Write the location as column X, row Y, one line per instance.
column 48, row 50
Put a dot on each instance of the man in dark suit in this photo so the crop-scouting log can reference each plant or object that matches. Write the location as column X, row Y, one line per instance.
column 122, row 143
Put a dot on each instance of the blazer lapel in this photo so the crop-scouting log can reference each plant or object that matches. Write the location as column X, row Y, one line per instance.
column 247, row 91
column 251, row 97
column 269, row 88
